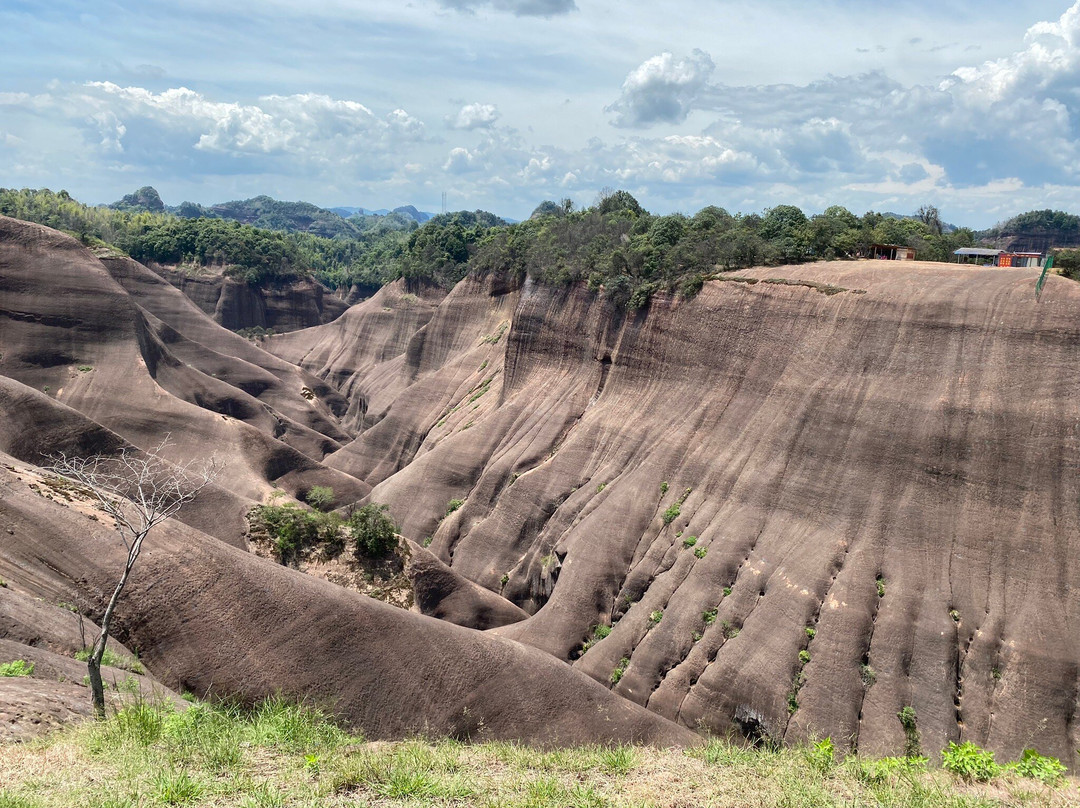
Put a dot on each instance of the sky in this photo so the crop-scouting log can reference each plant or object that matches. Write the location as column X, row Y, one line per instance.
column 501, row 104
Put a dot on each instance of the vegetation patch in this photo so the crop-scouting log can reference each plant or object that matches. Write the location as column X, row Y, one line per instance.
column 113, row 660
column 280, row 754
column 17, row 667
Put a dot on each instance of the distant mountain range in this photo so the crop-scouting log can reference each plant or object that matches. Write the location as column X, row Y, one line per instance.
column 272, row 214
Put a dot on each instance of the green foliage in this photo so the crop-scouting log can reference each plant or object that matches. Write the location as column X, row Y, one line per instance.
column 879, row 583
column 320, row 497
column 970, row 762
column 672, row 513
column 804, row 657
column 618, row 760
column 709, row 616
column 656, row 616
column 912, row 740
column 599, row 632
column 113, row 660
column 292, row 530
column 1045, row 769
column 880, row 771
column 453, row 505
column 601, row 487
column 822, row 756
column 1067, row 263
column 810, row 632
column 689, row 541
column 701, row 552
column 176, row 788
column 955, row 615
column 620, row 669
column 440, row 251
column 373, row 532
column 17, row 667
column 727, row 591
column 663, row 488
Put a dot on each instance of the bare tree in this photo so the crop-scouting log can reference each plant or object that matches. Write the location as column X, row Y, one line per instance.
column 140, row 490
column 931, row 217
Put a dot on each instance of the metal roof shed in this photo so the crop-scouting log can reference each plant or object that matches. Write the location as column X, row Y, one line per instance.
column 978, row 255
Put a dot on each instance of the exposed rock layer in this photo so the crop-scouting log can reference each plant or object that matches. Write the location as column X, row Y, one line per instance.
column 892, row 466
column 236, row 305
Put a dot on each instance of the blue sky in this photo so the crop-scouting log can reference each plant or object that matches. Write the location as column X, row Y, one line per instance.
column 504, row 103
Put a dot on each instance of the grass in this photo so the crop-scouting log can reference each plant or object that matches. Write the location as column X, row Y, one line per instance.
column 113, row 660
column 282, row 755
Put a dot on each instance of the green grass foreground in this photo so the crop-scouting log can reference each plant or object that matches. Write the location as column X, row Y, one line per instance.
column 283, row 755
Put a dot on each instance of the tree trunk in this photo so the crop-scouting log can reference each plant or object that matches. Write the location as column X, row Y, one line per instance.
column 97, row 690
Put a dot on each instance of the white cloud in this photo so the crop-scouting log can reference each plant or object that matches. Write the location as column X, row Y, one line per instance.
column 473, row 116
column 461, row 161
column 662, row 89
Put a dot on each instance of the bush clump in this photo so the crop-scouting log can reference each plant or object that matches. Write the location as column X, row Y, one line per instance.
column 293, row 530
column 373, row 531
column 17, row 667
column 970, row 763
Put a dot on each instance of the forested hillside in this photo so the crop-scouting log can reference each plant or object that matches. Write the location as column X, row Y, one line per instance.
column 1036, row 230
column 615, row 245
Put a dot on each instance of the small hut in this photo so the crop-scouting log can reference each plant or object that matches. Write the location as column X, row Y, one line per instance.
column 892, row 252
column 978, row 255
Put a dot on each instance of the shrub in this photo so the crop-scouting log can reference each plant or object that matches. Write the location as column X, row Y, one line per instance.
column 1043, row 768
column 620, row 669
column 822, row 755
column 672, row 513
column 598, row 633
column 880, row 583
column 727, row 591
column 453, row 505
column 320, row 497
column 709, row 617
column 373, row 532
column 810, row 633
column 292, row 529
column 17, row 667
column 908, row 721
column 970, row 762
column 701, row 552
column 689, row 541
column 804, row 657
column 656, row 616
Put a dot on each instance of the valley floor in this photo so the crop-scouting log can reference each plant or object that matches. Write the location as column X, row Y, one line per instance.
column 283, row 755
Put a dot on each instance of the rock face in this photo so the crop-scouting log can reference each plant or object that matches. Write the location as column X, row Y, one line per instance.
column 217, row 621
column 804, row 499
column 237, row 306
column 883, row 478
column 96, row 354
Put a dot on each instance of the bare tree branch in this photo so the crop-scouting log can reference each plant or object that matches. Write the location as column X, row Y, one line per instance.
column 140, row 490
